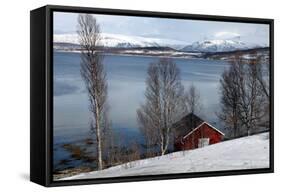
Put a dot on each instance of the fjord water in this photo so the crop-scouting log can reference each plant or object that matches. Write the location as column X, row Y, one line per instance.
column 126, row 85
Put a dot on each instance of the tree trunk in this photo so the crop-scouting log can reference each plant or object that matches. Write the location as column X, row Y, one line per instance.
column 98, row 136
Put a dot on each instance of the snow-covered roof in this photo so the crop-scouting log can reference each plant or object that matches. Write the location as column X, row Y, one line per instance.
column 200, row 126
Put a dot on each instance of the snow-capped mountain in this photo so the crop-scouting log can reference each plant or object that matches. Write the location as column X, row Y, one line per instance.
column 221, row 45
column 123, row 41
column 70, row 41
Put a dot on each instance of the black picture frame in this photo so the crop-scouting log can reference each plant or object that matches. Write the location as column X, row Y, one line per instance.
column 41, row 100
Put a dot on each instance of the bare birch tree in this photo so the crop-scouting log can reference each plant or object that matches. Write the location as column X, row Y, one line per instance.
column 242, row 96
column 94, row 76
column 193, row 105
column 192, row 100
column 163, row 105
column 263, row 74
column 252, row 99
column 230, row 95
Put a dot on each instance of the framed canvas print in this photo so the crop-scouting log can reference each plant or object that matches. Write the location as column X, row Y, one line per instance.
column 120, row 95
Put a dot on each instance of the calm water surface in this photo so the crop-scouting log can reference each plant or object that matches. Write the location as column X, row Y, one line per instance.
column 126, row 85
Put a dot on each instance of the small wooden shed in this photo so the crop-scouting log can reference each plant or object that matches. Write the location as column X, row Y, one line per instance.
column 197, row 133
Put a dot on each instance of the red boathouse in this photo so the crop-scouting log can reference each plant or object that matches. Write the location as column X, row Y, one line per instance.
column 192, row 132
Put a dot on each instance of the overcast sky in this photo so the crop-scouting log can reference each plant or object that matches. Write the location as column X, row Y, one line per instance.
column 184, row 30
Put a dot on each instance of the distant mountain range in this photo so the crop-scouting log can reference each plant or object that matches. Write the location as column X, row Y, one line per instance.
column 219, row 46
column 70, row 41
column 124, row 41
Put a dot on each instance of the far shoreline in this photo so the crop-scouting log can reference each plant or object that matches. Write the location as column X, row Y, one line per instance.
column 223, row 56
column 134, row 54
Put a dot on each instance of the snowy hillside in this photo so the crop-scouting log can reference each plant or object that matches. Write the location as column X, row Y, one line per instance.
column 123, row 41
column 243, row 153
column 221, row 45
column 70, row 41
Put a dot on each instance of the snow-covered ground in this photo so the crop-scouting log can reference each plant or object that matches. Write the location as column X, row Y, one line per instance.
column 243, row 153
